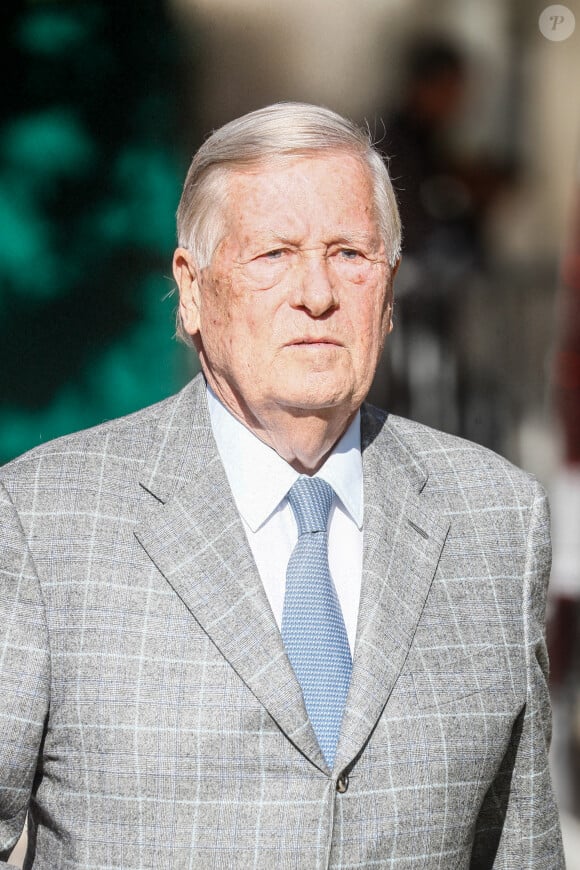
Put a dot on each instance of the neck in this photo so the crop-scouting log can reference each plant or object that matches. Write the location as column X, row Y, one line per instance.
column 302, row 437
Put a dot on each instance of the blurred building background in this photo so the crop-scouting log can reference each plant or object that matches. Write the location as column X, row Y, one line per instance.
column 103, row 105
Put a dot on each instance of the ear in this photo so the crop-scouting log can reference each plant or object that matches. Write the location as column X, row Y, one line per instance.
column 185, row 274
column 390, row 297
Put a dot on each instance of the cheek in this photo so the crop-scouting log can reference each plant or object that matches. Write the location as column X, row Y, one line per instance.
column 384, row 309
column 218, row 304
column 220, row 311
column 370, row 322
column 234, row 328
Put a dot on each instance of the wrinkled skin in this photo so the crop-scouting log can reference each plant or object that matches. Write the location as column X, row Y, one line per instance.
column 290, row 317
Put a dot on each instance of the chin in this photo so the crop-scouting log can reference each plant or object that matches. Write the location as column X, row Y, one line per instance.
column 317, row 400
column 310, row 390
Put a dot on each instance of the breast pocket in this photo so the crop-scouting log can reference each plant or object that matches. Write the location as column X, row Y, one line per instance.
column 447, row 677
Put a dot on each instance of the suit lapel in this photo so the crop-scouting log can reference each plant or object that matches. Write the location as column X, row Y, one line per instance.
column 194, row 536
column 402, row 546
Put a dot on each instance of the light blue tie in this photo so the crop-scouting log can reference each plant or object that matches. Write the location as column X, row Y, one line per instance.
column 313, row 629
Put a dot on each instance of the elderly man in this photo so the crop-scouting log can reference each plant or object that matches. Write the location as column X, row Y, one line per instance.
column 262, row 624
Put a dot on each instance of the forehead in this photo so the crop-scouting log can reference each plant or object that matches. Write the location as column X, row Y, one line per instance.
column 311, row 185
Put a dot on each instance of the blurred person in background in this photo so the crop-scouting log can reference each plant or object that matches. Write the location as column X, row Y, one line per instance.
column 432, row 200
column 263, row 623
column 444, row 198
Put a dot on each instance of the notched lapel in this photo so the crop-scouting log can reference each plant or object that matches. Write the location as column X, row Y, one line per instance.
column 403, row 541
column 194, row 536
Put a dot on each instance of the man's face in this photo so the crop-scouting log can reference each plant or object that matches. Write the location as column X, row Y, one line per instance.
column 293, row 310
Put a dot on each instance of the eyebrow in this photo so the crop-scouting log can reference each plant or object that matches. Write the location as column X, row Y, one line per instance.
column 356, row 239
column 268, row 240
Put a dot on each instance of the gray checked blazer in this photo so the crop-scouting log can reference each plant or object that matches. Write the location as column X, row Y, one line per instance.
column 149, row 715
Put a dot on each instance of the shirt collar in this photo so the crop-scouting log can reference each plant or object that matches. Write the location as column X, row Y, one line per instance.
column 260, row 479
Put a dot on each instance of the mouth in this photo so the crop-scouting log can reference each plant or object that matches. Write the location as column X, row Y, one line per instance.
column 314, row 341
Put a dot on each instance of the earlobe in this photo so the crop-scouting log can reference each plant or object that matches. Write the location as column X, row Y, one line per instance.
column 185, row 274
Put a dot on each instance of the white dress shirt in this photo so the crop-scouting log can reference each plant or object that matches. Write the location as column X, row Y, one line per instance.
column 260, row 480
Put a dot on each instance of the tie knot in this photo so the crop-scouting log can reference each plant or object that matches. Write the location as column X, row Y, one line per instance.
column 311, row 500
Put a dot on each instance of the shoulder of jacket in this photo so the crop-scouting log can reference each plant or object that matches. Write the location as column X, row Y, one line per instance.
column 447, row 457
column 129, row 434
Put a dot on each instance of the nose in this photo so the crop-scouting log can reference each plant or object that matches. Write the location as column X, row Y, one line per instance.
column 314, row 289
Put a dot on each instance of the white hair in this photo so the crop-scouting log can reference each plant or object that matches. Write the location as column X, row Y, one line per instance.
column 283, row 130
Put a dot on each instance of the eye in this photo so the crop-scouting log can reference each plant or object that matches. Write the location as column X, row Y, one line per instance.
column 276, row 254
column 350, row 253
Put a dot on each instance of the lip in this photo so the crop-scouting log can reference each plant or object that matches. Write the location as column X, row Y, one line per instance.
column 313, row 340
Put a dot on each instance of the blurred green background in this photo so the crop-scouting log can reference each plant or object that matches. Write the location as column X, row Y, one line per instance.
column 89, row 182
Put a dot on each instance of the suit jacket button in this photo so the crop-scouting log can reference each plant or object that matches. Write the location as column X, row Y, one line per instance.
column 342, row 783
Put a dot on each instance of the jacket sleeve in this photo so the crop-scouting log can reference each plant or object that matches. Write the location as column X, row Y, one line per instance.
column 518, row 824
column 24, row 675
